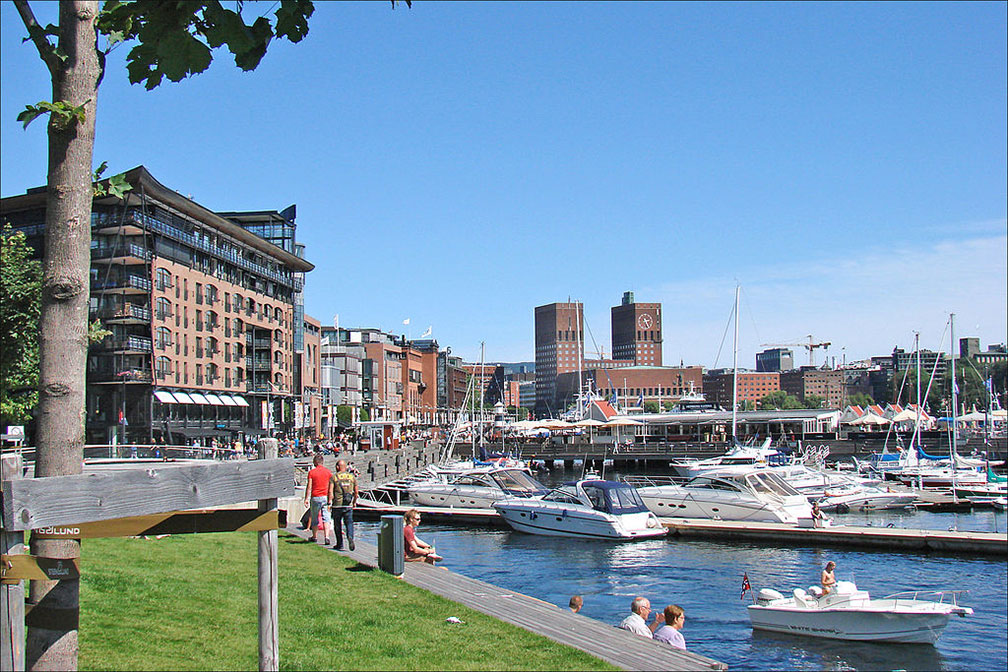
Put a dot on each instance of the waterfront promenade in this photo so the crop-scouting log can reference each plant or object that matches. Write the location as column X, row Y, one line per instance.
column 618, row 647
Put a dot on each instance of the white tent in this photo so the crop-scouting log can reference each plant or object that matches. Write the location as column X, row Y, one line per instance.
column 870, row 419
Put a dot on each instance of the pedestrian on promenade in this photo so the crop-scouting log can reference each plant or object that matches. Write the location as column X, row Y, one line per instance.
column 637, row 623
column 343, row 495
column 670, row 633
column 317, row 496
column 575, row 604
column 417, row 550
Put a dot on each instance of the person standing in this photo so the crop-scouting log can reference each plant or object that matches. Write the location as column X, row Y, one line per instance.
column 817, row 517
column 343, row 495
column 827, row 579
column 670, row 633
column 317, row 496
column 636, row 622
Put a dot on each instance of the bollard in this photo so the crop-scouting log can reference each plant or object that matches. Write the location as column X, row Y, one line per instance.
column 391, row 554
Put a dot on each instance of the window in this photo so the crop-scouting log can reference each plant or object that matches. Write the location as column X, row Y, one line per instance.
column 164, row 308
column 164, row 338
column 199, row 293
column 199, row 346
column 211, row 346
column 164, row 280
column 199, row 320
column 163, row 367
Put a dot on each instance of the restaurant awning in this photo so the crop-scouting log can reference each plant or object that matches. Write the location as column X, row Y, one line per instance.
column 183, row 398
column 165, row 397
column 214, row 400
column 199, row 398
column 228, row 401
column 239, row 400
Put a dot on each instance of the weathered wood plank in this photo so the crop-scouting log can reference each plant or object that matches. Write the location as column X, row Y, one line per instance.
column 12, row 596
column 67, row 500
column 268, row 576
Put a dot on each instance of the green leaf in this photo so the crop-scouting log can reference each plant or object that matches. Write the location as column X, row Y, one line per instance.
column 96, row 175
column 292, row 19
column 118, row 186
column 30, row 114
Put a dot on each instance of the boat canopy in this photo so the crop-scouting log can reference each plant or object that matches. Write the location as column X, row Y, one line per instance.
column 612, row 497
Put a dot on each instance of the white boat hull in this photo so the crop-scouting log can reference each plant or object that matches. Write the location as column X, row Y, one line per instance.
column 685, row 506
column 862, row 625
column 555, row 522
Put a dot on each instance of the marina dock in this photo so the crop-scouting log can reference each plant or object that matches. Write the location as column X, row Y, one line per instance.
column 618, row 647
column 878, row 538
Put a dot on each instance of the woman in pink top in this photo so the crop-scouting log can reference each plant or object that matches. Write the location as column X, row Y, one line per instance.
column 416, row 549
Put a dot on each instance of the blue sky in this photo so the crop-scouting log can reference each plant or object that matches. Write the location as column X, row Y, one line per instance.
column 458, row 164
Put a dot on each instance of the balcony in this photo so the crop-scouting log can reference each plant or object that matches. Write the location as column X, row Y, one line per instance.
column 124, row 377
column 128, row 344
column 129, row 284
column 164, row 315
column 122, row 254
column 127, row 313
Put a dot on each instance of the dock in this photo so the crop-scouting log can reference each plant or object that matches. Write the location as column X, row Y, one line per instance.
column 613, row 645
column 871, row 538
column 879, row 538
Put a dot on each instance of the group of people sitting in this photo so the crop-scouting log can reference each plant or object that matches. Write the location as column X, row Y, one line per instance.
column 666, row 627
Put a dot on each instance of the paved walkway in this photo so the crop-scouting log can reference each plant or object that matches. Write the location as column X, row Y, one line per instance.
column 618, row 647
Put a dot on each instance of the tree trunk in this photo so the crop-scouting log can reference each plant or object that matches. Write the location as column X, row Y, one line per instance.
column 52, row 623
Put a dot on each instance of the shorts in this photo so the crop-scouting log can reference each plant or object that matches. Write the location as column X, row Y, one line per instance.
column 322, row 503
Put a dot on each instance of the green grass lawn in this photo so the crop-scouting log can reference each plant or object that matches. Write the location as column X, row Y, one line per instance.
column 188, row 602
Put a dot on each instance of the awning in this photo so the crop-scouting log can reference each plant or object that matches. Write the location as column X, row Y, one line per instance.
column 183, row 398
column 228, row 401
column 199, row 398
column 165, row 397
column 239, row 400
column 214, row 400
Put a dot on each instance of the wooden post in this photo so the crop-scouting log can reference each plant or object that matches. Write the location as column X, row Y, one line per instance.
column 12, row 596
column 269, row 644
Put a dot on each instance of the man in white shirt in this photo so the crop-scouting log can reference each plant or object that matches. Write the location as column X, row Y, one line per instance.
column 636, row 622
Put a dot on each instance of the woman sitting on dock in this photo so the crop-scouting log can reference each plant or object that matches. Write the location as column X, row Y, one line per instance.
column 416, row 549
column 828, row 580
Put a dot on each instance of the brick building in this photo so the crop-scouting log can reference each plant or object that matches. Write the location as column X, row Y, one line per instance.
column 201, row 312
column 752, row 386
column 827, row 384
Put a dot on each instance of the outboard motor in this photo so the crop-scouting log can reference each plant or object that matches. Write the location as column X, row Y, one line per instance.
column 768, row 595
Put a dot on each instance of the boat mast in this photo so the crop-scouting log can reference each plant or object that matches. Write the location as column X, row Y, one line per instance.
column 577, row 335
column 916, row 434
column 734, row 407
column 952, row 446
column 483, row 395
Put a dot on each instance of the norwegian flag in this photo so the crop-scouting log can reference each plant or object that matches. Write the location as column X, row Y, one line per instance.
column 745, row 585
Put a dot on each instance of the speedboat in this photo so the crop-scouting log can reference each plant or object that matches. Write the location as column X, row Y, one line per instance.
column 587, row 508
column 739, row 458
column 849, row 613
column 849, row 496
column 477, row 489
column 754, row 495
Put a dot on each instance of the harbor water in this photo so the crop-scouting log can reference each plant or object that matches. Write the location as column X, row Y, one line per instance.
column 705, row 579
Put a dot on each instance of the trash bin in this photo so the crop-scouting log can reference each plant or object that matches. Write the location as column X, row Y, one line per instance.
column 390, row 545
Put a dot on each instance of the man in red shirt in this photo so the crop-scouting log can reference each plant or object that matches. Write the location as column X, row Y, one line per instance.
column 317, row 495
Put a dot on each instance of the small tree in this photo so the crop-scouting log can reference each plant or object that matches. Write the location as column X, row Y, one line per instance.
column 20, row 288
column 860, row 399
column 650, row 406
column 813, row 401
column 344, row 415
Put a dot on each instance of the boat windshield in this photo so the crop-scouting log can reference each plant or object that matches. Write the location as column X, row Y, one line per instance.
column 565, row 495
column 625, row 500
column 705, row 483
column 472, row 479
column 771, row 483
column 516, row 480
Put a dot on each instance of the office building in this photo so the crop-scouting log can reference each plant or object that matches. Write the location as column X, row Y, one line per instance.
column 637, row 332
column 775, row 359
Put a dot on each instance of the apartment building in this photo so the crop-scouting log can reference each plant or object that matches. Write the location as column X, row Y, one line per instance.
column 201, row 312
column 718, row 386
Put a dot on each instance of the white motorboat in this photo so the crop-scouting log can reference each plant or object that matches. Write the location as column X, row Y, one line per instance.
column 477, row 489
column 739, row 458
column 587, row 508
column 849, row 613
column 854, row 496
column 756, row 495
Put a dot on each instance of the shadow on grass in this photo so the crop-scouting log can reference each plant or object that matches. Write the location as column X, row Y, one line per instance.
column 360, row 567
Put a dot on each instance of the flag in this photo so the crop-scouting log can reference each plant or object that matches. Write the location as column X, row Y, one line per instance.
column 427, row 333
column 405, row 322
column 640, row 400
column 745, row 585
column 122, row 418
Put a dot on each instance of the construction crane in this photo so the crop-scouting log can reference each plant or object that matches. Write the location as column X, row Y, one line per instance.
column 811, row 346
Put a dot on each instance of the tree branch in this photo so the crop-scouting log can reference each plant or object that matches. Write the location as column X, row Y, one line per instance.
column 46, row 50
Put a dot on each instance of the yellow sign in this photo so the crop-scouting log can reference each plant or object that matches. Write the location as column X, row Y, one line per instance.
column 177, row 522
column 14, row 568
